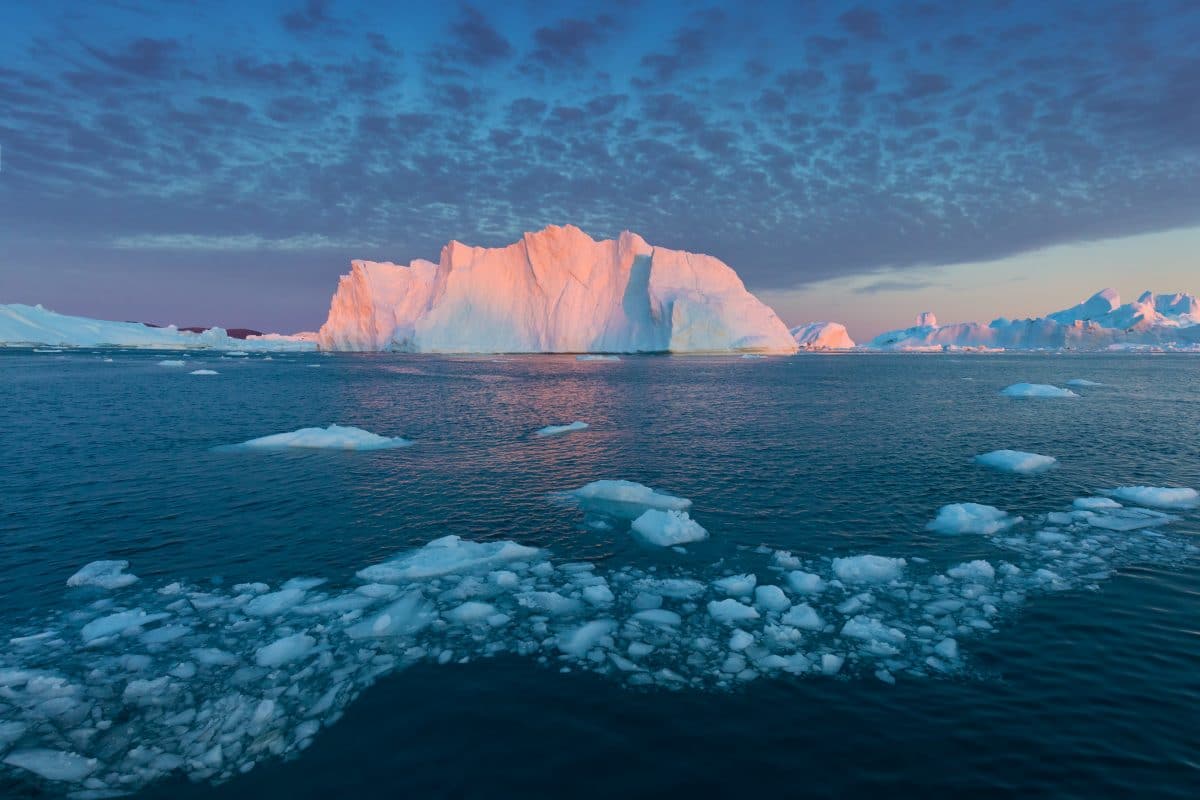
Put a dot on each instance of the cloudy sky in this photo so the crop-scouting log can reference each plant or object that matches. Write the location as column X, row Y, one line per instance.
column 221, row 162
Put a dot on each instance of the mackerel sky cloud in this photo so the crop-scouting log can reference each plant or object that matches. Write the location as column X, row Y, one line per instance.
column 212, row 162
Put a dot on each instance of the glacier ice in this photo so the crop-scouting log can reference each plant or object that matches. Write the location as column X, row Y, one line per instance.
column 104, row 574
column 554, row 291
column 335, row 437
column 1017, row 461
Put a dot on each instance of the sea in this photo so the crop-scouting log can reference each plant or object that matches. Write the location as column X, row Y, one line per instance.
column 449, row 616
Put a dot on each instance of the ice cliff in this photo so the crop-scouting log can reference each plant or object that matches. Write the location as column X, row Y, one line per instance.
column 1170, row 321
column 554, row 291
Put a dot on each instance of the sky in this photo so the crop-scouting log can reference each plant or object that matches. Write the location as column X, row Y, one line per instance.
column 221, row 162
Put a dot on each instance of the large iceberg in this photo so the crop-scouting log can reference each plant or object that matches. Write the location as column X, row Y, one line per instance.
column 28, row 326
column 822, row 336
column 1170, row 321
column 554, row 291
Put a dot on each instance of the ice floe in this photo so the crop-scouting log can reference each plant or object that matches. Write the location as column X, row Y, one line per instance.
column 1158, row 496
column 106, row 695
column 1016, row 461
column 555, row 430
column 667, row 528
column 335, row 437
column 595, row 357
column 1083, row 382
column 971, row 518
column 104, row 574
column 625, row 499
column 1036, row 390
column 171, row 362
column 203, row 372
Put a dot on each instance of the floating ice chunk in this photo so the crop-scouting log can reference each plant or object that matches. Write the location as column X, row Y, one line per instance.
column 626, row 498
column 736, row 585
column 832, row 664
column 105, row 574
column 1158, row 496
column 971, row 518
column 203, row 372
column 335, row 437
column 1129, row 519
column 449, row 554
column 869, row 629
column 281, row 651
column 675, row 588
column 578, row 641
column 1082, row 382
column 117, row 623
column 740, row 640
column 1016, row 461
column 598, row 595
column 771, row 598
column 947, row 649
column 977, row 571
column 214, row 657
column 408, row 615
column 472, row 612
column 1095, row 503
column 668, row 528
column 868, row 568
column 53, row 765
column 805, row 582
column 554, row 430
column 659, row 616
column 804, row 617
column 274, row 603
column 731, row 611
column 171, row 362
column 1036, row 390
column 596, row 357
column 551, row 603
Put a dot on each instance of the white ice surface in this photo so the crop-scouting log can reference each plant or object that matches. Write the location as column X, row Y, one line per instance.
column 971, row 518
column 667, row 528
column 335, row 437
column 554, row 430
column 1016, row 461
column 1158, row 496
column 1036, row 390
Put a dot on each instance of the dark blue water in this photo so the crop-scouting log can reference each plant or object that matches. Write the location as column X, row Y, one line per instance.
column 1081, row 687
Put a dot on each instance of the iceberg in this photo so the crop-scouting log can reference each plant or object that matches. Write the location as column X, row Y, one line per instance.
column 1036, row 390
column 30, row 326
column 822, row 336
column 335, row 437
column 554, row 291
column 555, row 430
column 1102, row 322
column 1016, row 461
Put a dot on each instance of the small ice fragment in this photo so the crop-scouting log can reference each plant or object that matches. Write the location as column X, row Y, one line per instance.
column 554, row 430
column 805, row 582
column 53, row 765
column 171, row 362
column 203, row 372
column 578, row 641
column 868, row 568
column 771, row 598
column 731, row 611
column 804, row 617
column 1016, row 461
column 736, row 585
column 335, row 437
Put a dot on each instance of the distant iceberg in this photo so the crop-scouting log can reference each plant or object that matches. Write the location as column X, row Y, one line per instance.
column 335, row 437
column 27, row 326
column 554, row 291
column 1167, row 321
column 1016, row 461
column 1035, row 390
column 822, row 336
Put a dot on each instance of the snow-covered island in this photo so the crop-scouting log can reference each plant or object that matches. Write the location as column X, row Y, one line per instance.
column 1159, row 321
column 554, row 291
